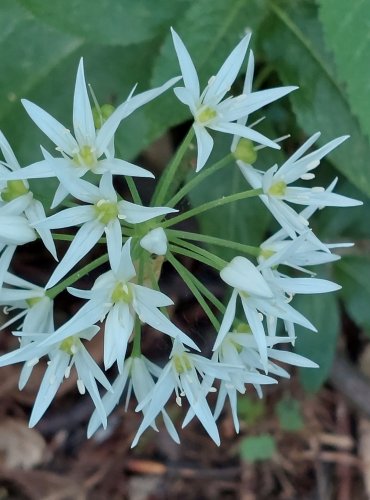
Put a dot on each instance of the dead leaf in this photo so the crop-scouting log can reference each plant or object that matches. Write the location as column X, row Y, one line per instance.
column 20, row 446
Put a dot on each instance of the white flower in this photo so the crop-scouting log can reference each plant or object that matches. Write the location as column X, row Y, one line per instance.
column 36, row 312
column 62, row 357
column 102, row 215
column 181, row 375
column 155, row 241
column 210, row 110
column 240, row 348
column 276, row 190
column 89, row 149
column 138, row 373
column 14, row 230
column 296, row 253
column 257, row 297
column 117, row 297
column 10, row 190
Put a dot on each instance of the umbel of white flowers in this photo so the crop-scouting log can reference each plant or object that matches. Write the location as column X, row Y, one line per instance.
column 127, row 295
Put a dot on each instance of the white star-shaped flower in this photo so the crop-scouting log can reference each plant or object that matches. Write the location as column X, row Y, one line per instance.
column 211, row 110
column 102, row 215
column 183, row 375
column 33, row 209
column 117, row 298
column 259, row 300
column 138, row 374
column 62, row 357
column 275, row 183
column 241, row 349
column 89, row 149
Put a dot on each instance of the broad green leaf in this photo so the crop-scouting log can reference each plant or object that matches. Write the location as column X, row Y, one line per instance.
column 28, row 53
column 289, row 414
column 293, row 41
column 53, row 90
column 111, row 22
column 210, row 30
column 322, row 310
column 346, row 27
column 353, row 273
column 257, row 448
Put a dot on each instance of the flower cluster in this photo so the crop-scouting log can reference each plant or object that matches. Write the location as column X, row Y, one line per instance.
column 137, row 239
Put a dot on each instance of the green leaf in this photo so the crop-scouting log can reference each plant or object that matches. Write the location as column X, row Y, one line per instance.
column 210, row 31
column 289, row 414
column 112, row 22
column 322, row 310
column 257, row 448
column 250, row 410
column 293, row 42
column 353, row 273
column 346, row 29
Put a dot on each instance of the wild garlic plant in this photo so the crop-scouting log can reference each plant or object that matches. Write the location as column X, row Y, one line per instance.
column 136, row 241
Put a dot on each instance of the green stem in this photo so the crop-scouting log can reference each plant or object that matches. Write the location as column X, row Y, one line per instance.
column 213, row 240
column 136, row 348
column 56, row 290
column 133, row 190
column 71, row 237
column 211, row 204
column 196, row 256
column 198, row 178
column 192, row 287
column 170, row 172
column 200, row 251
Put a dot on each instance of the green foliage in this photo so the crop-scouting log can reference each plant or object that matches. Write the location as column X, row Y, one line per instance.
column 250, row 410
column 112, row 22
column 323, row 312
column 257, row 448
column 353, row 272
column 346, row 28
column 293, row 41
column 289, row 414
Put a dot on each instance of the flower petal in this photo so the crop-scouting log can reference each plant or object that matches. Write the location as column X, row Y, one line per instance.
column 205, row 145
column 83, row 242
column 189, row 73
column 83, row 122
column 60, row 135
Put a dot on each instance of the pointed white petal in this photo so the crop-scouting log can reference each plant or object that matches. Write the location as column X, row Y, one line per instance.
column 50, row 384
column 189, row 73
column 125, row 270
column 35, row 212
column 137, row 213
column 83, row 242
column 60, row 135
column 8, row 154
column 204, row 144
column 67, row 218
column 154, row 318
column 107, row 131
column 121, row 167
column 243, row 131
column 227, row 320
column 226, row 75
column 114, row 242
column 83, row 122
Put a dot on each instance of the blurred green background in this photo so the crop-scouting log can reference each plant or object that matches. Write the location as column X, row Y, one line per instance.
column 321, row 46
